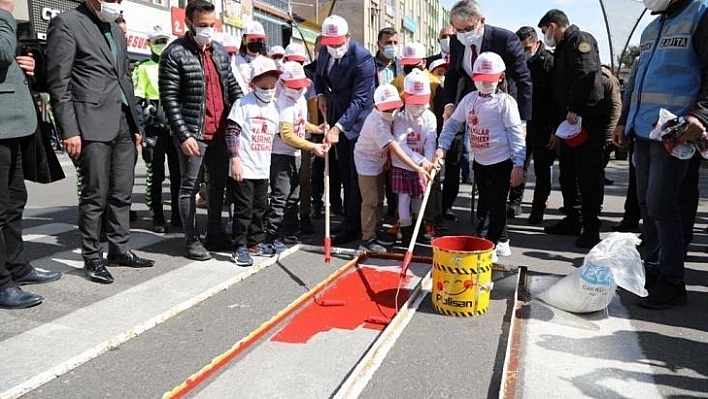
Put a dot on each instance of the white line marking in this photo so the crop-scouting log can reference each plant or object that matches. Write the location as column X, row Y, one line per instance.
column 46, row 231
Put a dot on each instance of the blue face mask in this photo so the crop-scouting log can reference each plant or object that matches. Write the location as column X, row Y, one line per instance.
column 389, row 51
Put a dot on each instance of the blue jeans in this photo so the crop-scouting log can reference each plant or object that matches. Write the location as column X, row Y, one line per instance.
column 659, row 178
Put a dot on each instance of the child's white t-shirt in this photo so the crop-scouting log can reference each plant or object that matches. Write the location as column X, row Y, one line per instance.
column 371, row 152
column 259, row 122
column 493, row 126
column 290, row 111
column 417, row 137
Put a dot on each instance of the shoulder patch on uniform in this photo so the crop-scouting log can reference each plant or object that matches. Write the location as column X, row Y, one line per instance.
column 584, row 47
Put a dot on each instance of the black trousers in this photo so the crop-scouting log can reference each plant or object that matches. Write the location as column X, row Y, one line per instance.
column 350, row 181
column 453, row 159
column 285, row 196
column 581, row 175
column 14, row 262
column 516, row 194
column 107, row 172
column 493, row 182
column 335, row 182
column 688, row 199
column 250, row 198
column 164, row 149
column 632, row 213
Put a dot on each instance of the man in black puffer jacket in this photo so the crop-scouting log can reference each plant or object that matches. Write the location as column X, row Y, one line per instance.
column 197, row 89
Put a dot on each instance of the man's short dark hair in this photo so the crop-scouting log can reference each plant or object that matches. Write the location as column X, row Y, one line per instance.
column 198, row 5
column 554, row 16
column 526, row 33
column 388, row 31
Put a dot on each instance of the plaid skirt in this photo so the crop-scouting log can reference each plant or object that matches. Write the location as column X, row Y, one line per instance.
column 404, row 181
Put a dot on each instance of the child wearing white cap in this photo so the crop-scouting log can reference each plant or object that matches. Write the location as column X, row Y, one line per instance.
column 497, row 142
column 252, row 123
column 276, row 53
column 371, row 156
column 252, row 47
column 413, row 59
column 286, row 160
column 415, row 130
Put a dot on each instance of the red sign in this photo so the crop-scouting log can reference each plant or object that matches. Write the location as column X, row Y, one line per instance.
column 179, row 27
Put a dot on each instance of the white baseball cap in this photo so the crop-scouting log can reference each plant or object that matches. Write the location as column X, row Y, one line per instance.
column 230, row 43
column 416, row 87
column 255, row 30
column 488, row 67
column 334, row 31
column 263, row 65
column 386, row 98
column 296, row 52
column 158, row 33
column 413, row 53
column 276, row 51
column 294, row 76
column 441, row 62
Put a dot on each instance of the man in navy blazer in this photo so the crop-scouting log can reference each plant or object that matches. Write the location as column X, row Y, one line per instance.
column 346, row 72
column 473, row 37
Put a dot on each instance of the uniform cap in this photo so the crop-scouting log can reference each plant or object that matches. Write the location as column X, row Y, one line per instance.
column 294, row 75
column 334, row 31
column 255, row 30
column 263, row 65
column 416, row 87
column 386, row 98
column 488, row 67
column 158, row 33
column 296, row 52
column 413, row 53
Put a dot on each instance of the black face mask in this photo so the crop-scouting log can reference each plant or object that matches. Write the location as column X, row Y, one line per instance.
column 255, row 47
column 409, row 68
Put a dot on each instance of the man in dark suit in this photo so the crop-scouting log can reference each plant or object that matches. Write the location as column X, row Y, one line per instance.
column 19, row 120
column 346, row 70
column 444, row 39
column 473, row 37
column 88, row 78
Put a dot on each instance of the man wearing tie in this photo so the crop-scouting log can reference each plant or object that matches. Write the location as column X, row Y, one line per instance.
column 88, row 78
column 473, row 37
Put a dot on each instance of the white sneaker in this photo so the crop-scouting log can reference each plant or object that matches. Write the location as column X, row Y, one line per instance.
column 495, row 258
column 502, row 248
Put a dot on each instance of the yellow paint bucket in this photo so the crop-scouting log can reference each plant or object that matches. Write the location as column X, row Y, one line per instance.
column 462, row 275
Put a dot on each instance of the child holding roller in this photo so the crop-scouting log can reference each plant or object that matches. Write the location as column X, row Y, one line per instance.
column 415, row 131
column 497, row 141
column 371, row 156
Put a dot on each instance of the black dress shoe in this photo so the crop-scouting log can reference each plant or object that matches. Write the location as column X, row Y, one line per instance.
column 218, row 242
column 450, row 215
column 566, row 226
column 588, row 239
column 38, row 277
column 663, row 295
column 196, row 251
column 625, row 226
column 13, row 297
column 129, row 259
column 96, row 271
column 345, row 237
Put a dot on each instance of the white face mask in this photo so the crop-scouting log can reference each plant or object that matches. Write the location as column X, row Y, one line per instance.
column 468, row 38
column 293, row 93
column 388, row 116
column 445, row 45
column 158, row 48
column 109, row 12
column 203, row 35
column 549, row 39
column 657, row 5
column 389, row 51
column 338, row 52
column 265, row 95
column 486, row 87
column 416, row 110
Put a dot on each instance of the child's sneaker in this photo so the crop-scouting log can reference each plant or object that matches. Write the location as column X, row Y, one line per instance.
column 372, row 246
column 502, row 248
column 429, row 234
column 277, row 246
column 241, row 256
column 261, row 250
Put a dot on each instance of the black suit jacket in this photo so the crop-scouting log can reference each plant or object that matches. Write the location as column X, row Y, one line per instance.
column 507, row 45
column 84, row 80
column 429, row 60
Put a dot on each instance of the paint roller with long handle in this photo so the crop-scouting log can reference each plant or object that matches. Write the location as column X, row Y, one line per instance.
column 409, row 253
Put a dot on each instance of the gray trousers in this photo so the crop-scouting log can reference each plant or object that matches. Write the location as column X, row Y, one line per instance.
column 285, row 196
column 107, row 173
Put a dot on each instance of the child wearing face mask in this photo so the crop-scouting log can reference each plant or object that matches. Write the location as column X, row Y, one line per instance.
column 252, row 47
column 286, row 158
column 497, row 143
column 370, row 158
column 416, row 133
column 252, row 124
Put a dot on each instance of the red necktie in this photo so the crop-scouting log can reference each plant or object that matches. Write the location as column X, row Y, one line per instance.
column 473, row 57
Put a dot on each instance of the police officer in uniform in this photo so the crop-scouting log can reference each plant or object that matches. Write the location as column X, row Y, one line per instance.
column 158, row 140
column 579, row 94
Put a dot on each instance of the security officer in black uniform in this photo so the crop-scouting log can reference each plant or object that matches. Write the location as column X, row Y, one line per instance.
column 541, row 126
column 578, row 94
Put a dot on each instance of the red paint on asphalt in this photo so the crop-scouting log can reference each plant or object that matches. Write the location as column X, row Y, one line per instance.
column 368, row 293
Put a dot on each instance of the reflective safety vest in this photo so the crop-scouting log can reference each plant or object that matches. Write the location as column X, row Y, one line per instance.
column 669, row 74
column 145, row 80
